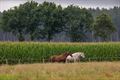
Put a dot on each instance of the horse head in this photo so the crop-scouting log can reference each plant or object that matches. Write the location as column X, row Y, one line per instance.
column 82, row 55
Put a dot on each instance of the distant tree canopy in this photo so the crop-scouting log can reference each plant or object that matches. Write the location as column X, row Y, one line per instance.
column 52, row 19
column 0, row 20
column 78, row 22
column 43, row 21
column 103, row 26
column 21, row 20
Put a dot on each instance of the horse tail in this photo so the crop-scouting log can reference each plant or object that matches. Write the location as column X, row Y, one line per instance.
column 51, row 59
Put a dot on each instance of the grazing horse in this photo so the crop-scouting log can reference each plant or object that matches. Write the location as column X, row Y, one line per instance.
column 60, row 58
column 76, row 57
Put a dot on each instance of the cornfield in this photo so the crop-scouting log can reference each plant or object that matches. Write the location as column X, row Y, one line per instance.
column 15, row 52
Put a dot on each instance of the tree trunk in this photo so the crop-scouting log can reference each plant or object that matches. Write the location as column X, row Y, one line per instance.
column 31, row 37
column 21, row 37
column 49, row 37
column 93, row 39
column 117, row 36
column 104, row 39
column 99, row 39
column 111, row 38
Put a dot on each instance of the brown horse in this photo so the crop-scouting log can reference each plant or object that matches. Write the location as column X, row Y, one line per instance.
column 59, row 58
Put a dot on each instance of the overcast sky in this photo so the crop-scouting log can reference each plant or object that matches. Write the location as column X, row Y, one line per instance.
column 7, row 4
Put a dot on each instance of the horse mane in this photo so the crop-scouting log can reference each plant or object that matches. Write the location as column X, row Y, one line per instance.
column 67, row 53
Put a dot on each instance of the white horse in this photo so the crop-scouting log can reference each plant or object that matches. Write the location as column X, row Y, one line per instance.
column 76, row 57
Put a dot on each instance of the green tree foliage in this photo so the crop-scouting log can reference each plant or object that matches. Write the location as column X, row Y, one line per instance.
column 48, row 19
column 52, row 19
column 31, row 18
column 21, row 20
column 103, row 26
column 78, row 22
column 0, row 19
column 114, row 14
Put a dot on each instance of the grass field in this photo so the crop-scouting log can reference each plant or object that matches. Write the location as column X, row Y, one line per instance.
column 60, row 71
column 32, row 52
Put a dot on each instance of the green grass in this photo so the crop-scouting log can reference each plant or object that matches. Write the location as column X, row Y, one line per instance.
column 8, row 77
column 36, row 51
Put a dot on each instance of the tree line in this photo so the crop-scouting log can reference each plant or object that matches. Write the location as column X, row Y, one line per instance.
column 114, row 13
column 44, row 21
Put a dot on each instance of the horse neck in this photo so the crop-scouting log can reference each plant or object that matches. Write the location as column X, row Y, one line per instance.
column 65, row 55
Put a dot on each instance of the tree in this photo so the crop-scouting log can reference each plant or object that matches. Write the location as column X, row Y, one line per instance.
column 115, row 14
column 78, row 22
column 103, row 26
column 52, row 19
column 32, row 18
column 0, row 19
column 21, row 20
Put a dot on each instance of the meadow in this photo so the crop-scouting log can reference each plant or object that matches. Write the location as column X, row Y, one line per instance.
column 104, row 61
column 34, row 52
column 61, row 71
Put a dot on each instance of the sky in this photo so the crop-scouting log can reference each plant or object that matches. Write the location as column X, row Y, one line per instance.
column 7, row 4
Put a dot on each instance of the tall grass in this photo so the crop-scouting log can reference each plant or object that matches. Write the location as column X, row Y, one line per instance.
column 57, row 71
column 38, row 50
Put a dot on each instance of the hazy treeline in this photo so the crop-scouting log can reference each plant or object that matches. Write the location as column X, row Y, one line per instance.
column 57, row 24
column 115, row 14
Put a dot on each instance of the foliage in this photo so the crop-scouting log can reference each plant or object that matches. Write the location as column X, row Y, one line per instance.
column 48, row 19
column 103, row 26
column 21, row 20
column 78, row 22
column 114, row 13
column 0, row 19
column 52, row 19
column 35, row 51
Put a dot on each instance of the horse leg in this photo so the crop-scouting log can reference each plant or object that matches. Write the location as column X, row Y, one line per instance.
column 78, row 60
column 68, row 61
column 74, row 60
